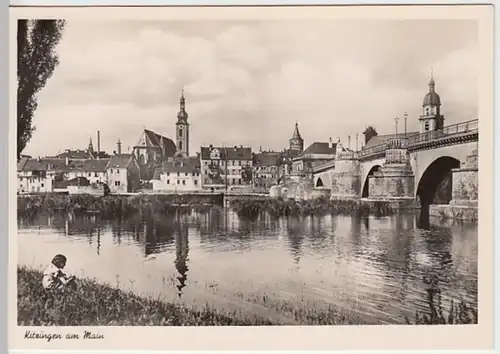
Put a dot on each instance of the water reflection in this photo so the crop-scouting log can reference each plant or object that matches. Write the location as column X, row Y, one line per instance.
column 386, row 265
column 181, row 256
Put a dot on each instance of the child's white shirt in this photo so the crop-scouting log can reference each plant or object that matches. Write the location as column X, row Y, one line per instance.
column 50, row 275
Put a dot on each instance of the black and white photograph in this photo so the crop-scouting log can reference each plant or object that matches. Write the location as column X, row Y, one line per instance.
column 248, row 172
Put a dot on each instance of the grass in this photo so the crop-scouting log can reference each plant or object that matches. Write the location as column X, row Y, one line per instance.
column 95, row 304
column 114, row 205
column 320, row 206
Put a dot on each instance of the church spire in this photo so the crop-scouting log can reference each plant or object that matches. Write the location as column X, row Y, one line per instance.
column 91, row 146
column 432, row 83
column 182, row 115
column 296, row 141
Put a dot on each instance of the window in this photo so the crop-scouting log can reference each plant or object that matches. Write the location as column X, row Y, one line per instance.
column 239, row 163
column 194, row 174
column 180, row 132
column 178, row 182
column 168, row 181
column 42, row 185
column 117, row 172
column 117, row 183
column 95, row 174
column 426, row 126
column 234, row 180
column 90, row 174
column 187, row 174
column 178, row 174
column 168, row 174
column 180, row 145
column 239, row 181
column 195, row 182
column 184, row 182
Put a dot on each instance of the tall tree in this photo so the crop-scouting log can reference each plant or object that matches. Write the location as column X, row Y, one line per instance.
column 369, row 133
column 36, row 61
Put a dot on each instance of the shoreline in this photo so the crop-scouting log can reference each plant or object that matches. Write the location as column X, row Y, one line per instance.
column 98, row 304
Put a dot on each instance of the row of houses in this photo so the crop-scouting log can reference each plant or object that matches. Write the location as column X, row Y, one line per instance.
column 119, row 172
column 214, row 168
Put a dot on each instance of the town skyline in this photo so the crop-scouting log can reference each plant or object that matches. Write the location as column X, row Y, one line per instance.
column 245, row 79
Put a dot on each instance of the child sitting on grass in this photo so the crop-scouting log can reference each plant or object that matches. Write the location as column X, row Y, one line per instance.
column 54, row 278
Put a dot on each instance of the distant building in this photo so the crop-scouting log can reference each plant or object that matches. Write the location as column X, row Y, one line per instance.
column 182, row 129
column 266, row 168
column 95, row 170
column 296, row 142
column 37, row 175
column 316, row 154
column 123, row 173
column 179, row 175
column 153, row 148
column 226, row 165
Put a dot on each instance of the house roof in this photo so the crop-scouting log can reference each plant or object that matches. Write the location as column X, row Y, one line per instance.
column 43, row 164
column 76, row 154
column 95, row 165
column 319, row 148
column 119, row 161
column 265, row 159
column 158, row 140
column 178, row 166
column 379, row 139
column 233, row 152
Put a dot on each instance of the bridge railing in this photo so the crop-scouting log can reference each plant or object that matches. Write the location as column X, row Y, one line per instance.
column 470, row 126
column 450, row 130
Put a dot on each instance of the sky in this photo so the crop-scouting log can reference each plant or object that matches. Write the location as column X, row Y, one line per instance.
column 248, row 83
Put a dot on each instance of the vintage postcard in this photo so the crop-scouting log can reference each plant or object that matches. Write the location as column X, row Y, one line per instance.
column 209, row 178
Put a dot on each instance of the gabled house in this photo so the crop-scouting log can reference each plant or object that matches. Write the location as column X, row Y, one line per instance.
column 226, row 165
column 123, row 173
column 180, row 174
column 316, row 154
column 153, row 147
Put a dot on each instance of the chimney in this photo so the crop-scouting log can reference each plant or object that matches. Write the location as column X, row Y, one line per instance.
column 98, row 142
column 66, row 161
column 331, row 143
column 119, row 144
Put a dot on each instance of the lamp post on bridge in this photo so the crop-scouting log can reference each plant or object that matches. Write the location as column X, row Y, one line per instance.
column 396, row 120
column 349, row 141
column 406, row 118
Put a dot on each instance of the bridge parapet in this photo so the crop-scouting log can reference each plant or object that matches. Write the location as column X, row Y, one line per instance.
column 452, row 134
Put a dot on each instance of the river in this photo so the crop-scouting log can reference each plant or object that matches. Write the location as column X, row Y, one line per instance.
column 378, row 268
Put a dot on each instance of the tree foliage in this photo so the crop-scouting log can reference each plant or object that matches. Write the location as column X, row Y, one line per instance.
column 36, row 61
column 369, row 133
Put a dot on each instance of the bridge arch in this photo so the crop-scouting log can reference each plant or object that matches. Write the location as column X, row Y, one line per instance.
column 365, row 193
column 323, row 179
column 436, row 176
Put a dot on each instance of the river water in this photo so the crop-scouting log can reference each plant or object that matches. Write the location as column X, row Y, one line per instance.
column 378, row 268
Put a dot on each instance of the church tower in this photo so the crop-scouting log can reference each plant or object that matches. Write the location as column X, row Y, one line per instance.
column 431, row 118
column 182, row 129
column 296, row 142
column 91, row 146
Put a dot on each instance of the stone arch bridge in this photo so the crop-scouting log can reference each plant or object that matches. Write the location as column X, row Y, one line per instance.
column 409, row 167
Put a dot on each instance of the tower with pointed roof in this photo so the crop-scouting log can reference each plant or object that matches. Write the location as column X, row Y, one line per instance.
column 91, row 146
column 182, row 129
column 296, row 141
column 431, row 118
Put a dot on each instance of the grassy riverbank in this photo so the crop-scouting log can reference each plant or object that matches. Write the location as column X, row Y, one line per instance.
column 115, row 205
column 320, row 206
column 97, row 304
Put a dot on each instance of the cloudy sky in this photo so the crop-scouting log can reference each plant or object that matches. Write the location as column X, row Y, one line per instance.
column 249, row 82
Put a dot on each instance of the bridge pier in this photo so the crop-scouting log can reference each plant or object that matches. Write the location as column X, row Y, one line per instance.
column 464, row 202
column 346, row 180
column 395, row 180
